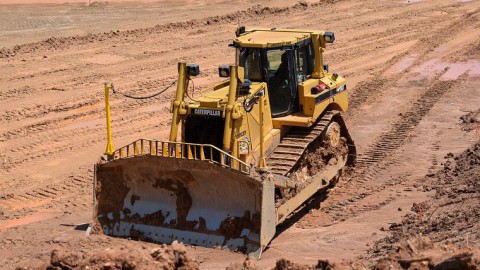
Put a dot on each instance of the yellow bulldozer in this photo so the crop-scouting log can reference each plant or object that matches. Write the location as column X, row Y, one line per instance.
column 241, row 158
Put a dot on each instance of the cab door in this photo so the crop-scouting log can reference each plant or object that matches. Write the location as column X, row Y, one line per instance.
column 282, row 81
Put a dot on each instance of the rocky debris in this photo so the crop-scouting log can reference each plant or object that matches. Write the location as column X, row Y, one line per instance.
column 452, row 215
column 284, row 264
column 163, row 257
column 421, row 253
column 248, row 264
column 471, row 121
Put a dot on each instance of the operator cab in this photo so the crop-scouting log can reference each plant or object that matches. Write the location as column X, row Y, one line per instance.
column 282, row 59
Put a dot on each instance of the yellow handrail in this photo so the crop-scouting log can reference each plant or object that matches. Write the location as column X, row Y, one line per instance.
column 181, row 150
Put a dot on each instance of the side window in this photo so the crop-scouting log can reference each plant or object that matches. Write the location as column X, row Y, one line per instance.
column 274, row 60
column 251, row 61
column 280, row 64
column 310, row 58
column 302, row 63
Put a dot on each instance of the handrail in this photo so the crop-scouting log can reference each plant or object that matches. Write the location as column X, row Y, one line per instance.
column 181, row 150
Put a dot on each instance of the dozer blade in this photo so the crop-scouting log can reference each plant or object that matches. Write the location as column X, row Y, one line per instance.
column 163, row 199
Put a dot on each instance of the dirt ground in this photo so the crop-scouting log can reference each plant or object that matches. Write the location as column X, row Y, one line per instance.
column 413, row 71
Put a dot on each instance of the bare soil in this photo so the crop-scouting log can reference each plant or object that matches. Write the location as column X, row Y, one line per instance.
column 412, row 67
column 471, row 121
column 172, row 256
column 452, row 215
column 422, row 253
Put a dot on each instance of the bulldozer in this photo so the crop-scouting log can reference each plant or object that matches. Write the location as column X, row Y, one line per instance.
column 241, row 158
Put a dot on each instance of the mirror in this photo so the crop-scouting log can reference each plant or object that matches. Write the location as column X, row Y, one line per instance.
column 329, row 37
column 224, row 71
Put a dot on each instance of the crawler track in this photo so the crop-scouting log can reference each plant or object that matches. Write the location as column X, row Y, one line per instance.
column 292, row 147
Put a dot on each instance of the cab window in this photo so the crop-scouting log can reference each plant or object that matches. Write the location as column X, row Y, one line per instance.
column 251, row 60
column 304, row 61
column 280, row 91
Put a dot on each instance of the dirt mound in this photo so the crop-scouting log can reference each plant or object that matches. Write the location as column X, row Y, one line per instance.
column 452, row 215
column 284, row 264
column 421, row 253
column 471, row 121
column 163, row 257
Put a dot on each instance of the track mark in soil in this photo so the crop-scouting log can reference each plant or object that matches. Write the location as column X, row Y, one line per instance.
column 379, row 156
column 47, row 197
column 402, row 129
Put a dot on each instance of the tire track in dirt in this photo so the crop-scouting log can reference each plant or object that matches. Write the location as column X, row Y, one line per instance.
column 402, row 129
column 129, row 69
column 33, row 194
column 362, row 91
column 51, row 196
column 380, row 155
column 93, row 134
column 80, row 140
column 132, row 69
column 133, row 36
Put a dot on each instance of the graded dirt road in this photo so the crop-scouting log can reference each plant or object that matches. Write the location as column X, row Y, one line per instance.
column 23, row 21
column 413, row 70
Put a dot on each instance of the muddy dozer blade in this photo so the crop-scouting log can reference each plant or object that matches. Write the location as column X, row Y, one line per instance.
column 163, row 199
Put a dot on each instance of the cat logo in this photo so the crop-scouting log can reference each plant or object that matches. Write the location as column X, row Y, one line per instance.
column 207, row 112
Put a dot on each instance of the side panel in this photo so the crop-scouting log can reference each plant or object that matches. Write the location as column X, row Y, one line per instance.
column 313, row 105
column 307, row 100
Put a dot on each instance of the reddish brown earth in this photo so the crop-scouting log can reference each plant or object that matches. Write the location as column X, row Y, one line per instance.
column 452, row 214
column 122, row 257
column 450, row 219
column 413, row 71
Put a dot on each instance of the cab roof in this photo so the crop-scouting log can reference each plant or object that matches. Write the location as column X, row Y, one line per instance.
column 267, row 38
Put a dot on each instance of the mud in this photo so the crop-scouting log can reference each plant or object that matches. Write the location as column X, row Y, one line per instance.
column 183, row 199
column 284, row 264
column 313, row 161
column 471, row 121
column 163, row 257
column 232, row 227
column 156, row 218
column 452, row 215
column 110, row 192
column 320, row 155
column 421, row 253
